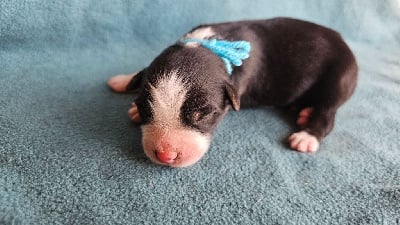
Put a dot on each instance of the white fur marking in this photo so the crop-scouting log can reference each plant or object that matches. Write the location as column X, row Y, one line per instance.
column 304, row 142
column 166, row 133
column 200, row 33
column 168, row 96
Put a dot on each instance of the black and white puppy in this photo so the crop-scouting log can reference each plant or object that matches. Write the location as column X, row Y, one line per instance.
column 186, row 90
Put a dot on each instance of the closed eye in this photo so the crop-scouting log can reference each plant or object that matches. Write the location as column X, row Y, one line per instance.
column 202, row 114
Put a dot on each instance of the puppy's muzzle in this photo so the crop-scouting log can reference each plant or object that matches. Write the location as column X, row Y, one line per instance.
column 175, row 147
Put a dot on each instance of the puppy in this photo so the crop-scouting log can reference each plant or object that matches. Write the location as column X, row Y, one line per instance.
column 186, row 91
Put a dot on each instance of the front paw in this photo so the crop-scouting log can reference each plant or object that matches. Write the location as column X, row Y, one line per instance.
column 303, row 142
column 134, row 114
column 119, row 83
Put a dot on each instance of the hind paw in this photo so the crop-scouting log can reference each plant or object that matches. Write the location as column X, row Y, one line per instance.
column 304, row 116
column 303, row 142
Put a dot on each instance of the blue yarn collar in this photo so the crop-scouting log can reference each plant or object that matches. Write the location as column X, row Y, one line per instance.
column 232, row 53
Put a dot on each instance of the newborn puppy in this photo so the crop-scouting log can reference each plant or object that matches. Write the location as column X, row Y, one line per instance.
column 186, row 91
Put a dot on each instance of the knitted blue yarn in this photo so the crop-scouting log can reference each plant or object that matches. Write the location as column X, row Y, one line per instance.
column 231, row 52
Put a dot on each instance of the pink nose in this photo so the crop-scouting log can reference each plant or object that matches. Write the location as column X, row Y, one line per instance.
column 166, row 156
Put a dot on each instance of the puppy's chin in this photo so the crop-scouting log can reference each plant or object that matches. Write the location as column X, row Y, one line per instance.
column 175, row 147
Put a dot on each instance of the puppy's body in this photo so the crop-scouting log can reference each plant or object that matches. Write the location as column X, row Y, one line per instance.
column 186, row 90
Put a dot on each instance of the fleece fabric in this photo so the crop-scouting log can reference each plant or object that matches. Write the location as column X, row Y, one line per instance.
column 70, row 155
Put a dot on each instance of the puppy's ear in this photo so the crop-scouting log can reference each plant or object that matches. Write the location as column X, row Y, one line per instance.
column 233, row 96
column 136, row 81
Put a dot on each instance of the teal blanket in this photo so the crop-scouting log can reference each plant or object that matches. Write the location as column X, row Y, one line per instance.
column 70, row 155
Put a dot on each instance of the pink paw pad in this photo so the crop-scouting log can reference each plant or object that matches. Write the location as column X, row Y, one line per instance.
column 134, row 113
column 304, row 116
column 303, row 142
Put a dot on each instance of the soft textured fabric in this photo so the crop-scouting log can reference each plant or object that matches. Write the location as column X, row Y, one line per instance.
column 70, row 155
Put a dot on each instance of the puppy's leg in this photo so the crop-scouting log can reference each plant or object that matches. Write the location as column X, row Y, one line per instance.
column 123, row 83
column 315, row 125
column 303, row 141
column 324, row 97
column 119, row 83
column 134, row 113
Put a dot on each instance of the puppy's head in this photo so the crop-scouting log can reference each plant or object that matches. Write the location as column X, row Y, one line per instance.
column 182, row 98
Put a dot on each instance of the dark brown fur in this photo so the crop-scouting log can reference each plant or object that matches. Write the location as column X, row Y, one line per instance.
column 291, row 63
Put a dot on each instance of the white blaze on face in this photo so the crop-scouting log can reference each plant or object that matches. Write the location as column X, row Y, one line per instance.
column 166, row 132
column 168, row 96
